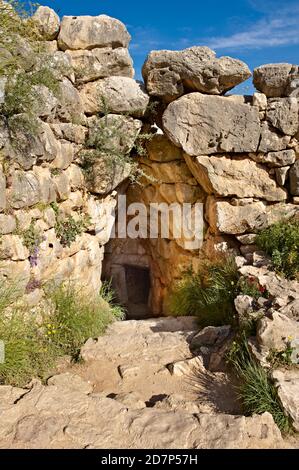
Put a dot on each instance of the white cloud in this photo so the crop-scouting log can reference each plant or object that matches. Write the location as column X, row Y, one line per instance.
column 278, row 29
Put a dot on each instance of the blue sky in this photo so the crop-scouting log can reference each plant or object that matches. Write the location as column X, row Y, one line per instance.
column 256, row 31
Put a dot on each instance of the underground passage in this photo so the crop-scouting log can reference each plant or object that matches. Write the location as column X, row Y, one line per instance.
column 138, row 291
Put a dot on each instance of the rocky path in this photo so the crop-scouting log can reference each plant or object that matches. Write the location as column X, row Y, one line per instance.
column 138, row 387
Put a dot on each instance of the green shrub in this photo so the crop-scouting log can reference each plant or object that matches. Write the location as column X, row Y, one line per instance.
column 281, row 242
column 208, row 293
column 27, row 353
column 67, row 321
column 25, row 64
column 67, row 228
column 32, row 238
column 256, row 390
column 15, row 24
column 75, row 317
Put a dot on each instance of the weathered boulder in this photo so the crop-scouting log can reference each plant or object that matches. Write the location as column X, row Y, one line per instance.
column 294, row 179
column 287, row 383
column 105, row 173
column 12, row 248
column 210, row 335
column 172, row 172
column 89, row 32
column 24, row 190
column 241, row 177
column 73, row 132
column 114, row 134
column 47, row 187
column 275, row 159
column 170, row 74
column 272, row 79
column 271, row 141
column 30, row 147
column 114, row 95
column 260, row 101
column 161, row 149
column 59, row 64
column 282, row 113
column 72, row 382
column 70, row 107
column 16, row 273
column 275, row 332
column 48, row 101
column 202, row 125
column 226, row 218
column 64, row 157
column 7, row 224
column 101, row 63
column 48, row 22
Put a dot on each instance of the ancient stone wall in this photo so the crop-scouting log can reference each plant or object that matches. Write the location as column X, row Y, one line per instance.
column 52, row 226
column 237, row 155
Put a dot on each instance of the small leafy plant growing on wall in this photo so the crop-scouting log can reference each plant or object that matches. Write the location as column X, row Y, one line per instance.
column 32, row 239
column 110, row 140
column 24, row 66
column 67, row 228
column 281, row 242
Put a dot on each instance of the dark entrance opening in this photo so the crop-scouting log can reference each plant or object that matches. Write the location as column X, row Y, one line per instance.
column 138, row 286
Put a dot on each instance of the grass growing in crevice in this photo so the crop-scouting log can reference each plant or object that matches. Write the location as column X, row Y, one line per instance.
column 281, row 242
column 65, row 322
column 256, row 390
column 208, row 293
column 75, row 318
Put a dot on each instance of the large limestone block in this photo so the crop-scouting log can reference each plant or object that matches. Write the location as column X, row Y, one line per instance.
column 168, row 172
column 161, row 149
column 275, row 159
column 12, row 248
column 89, row 32
column 114, row 134
column 115, row 95
column 48, row 22
column 272, row 79
column 70, row 107
column 283, row 115
column 287, row 383
column 234, row 220
column 170, row 74
column 68, row 131
column 15, row 272
column 239, row 177
column 101, row 63
column 202, row 125
column 276, row 331
column 24, row 190
column 294, row 179
column 106, row 173
column 47, row 192
column 28, row 147
column 271, row 141
column 7, row 224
